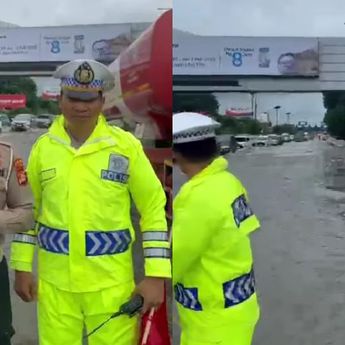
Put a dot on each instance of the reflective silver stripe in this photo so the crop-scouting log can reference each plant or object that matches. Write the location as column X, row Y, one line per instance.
column 61, row 141
column 25, row 239
column 156, row 253
column 108, row 139
column 155, row 236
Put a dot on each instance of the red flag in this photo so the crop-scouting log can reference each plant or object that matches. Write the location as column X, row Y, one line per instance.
column 155, row 327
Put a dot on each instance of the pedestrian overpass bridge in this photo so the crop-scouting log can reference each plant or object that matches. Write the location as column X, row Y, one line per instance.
column 258, row 64
column 200, row 63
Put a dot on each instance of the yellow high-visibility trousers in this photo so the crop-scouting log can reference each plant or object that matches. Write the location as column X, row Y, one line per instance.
column 235, row 334
column 62, row 316
column 233, row 326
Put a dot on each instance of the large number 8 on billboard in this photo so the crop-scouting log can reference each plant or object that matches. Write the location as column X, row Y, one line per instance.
column 237, row 59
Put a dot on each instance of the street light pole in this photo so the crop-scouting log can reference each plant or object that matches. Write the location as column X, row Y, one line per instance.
column 288, row 118
column 254, row 105
column 277, row 107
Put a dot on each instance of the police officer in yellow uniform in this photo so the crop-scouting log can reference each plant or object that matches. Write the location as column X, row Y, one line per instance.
column 84, row 173
column 15, row 215
column 213, row 273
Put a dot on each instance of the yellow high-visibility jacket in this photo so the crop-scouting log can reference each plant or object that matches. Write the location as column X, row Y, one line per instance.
column 82, row 208
column 212, row 259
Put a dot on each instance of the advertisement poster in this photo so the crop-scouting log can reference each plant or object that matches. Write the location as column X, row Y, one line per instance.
column 15, row 101
column 266, row 56
column 100, row 42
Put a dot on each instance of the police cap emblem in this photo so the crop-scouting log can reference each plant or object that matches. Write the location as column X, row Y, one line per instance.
column 84, row 74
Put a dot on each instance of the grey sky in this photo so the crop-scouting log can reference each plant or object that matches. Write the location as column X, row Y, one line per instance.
column 261, row 17
column 303, row 107
column 69, row 12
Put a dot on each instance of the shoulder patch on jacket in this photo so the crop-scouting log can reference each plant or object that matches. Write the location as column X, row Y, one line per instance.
column 20, row 172
column 241, row 210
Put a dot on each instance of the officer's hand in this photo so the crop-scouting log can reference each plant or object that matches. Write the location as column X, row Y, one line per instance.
column 152, row 290
column 25, row 286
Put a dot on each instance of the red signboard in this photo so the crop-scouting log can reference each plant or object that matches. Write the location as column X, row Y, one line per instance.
column 238, row 113
column 17, row 101
column 50, row 96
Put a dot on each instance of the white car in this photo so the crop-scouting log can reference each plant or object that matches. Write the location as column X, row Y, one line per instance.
column 22, row 122
column 243, row 141
column 286, row 137
column 273, row 139
column 261, row 140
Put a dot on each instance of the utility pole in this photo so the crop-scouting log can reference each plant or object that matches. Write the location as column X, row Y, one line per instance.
column 254, row 105
column 277, row 107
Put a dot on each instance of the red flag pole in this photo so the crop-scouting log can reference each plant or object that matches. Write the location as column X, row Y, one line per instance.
column 155, row 327
column 148, row 326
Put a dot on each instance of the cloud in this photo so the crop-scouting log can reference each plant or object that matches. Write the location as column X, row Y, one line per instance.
column 303, row 107
column 261, row 17
column 67, row 12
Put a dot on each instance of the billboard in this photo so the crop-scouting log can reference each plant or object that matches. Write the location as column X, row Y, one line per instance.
column 262, row 56
column 16, row 101
column 50, row 95
column 44, row 44
column 239, row 112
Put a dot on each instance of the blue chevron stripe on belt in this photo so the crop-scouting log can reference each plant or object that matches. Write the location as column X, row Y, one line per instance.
column 107, row 242
column 53, row 240
column 188, row 297
column 96, row 242
column 235, row 291
column 238, row 290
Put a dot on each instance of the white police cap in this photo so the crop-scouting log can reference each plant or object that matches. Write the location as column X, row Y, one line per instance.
column 84, row 78
column 188, row 127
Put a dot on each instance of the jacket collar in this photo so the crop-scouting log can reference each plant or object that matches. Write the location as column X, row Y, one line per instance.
column 216, row 166
column 100, row 138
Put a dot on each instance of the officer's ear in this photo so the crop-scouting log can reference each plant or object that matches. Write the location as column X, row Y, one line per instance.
column 102, row 97
column 60, row 98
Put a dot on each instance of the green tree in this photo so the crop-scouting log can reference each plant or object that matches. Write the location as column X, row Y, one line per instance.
column 230, row 125
column 335, row 121
column 198, row 102
column 26, row 86
column 252, row 126
column 21, row 85
column 331, row 99
column 15, row 112
column 334, row 102
column 49, row 107
column 291, row 129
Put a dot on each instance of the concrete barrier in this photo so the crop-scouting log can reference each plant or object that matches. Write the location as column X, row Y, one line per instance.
column 334, row 164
